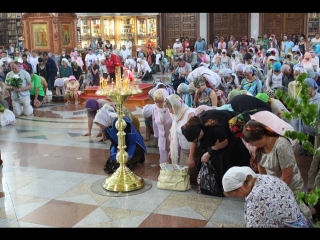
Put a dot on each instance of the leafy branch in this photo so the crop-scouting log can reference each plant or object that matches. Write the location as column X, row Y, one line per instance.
column 308, row 113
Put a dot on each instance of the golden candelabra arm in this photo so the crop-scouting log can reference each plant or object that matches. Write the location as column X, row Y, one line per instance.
column 123, row 179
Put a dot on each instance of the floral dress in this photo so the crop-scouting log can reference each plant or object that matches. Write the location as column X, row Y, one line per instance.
column 271, row 204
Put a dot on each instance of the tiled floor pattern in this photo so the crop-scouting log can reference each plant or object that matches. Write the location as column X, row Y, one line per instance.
column 49, row 167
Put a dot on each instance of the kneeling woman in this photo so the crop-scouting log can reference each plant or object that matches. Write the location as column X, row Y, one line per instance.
column 220, row 146
column 136, row 148
column 269, row 202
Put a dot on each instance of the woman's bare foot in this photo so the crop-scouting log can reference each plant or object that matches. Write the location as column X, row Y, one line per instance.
column 101, row 140
column 147, row 139
column 86, row 134
column 99, row 135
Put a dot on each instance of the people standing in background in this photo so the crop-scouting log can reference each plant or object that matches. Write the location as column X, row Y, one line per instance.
column 215, row 44
column 77, row 73
column 124, row 54
column 169, row 52
column 100, row 43
column 52, row 68
column 302, row 44
column 177, row 44
column 222, row 44
column 108, row 46
column 93, row 70
column 200, row 45
column 186, row 43
column 33, row 60
column 90, row 58
column 42, row 69
column 75, row 58
column 25, row 61
column 128, row 45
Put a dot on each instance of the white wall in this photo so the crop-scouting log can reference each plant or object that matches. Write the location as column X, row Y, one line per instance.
column 254, row 26
column 203, row 26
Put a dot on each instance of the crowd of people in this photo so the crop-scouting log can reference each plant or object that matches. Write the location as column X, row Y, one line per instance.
column 221, row 108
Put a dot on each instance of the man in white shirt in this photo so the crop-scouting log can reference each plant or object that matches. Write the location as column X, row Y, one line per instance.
column 33, row 60
column 100, row 57
column 315, row 40
column 128, row 45
column 144, row 70
column 4, row 55
column 115, row 50
column 131, row 64
column 177, row 44
column 90, row 58
column 124, row 54
column 315, row 60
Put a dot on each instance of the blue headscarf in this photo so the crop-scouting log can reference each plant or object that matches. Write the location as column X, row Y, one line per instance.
column 311, row 83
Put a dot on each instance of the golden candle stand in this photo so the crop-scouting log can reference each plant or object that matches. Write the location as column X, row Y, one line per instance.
column 123, row 179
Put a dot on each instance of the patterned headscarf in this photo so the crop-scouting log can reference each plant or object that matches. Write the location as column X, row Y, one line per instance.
column 199, row 81
column 237, row 123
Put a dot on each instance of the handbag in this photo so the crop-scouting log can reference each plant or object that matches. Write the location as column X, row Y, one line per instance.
column 173, row 177
column 207, row 180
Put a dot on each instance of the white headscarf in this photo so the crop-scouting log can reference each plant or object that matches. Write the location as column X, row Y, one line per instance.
column 104, row 117
column 178, row 109
column 147, row 110
column 235, row 177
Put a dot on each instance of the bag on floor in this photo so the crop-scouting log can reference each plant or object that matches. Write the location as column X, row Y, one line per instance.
column 207, row 180
column 173, row 177
column 7, row 118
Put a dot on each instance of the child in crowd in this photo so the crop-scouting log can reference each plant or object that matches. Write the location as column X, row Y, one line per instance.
column 72, row 90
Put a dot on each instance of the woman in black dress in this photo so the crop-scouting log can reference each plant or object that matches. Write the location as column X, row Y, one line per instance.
column 108, row 46
column 77, row 72
column 43, row 69
column 220, row 146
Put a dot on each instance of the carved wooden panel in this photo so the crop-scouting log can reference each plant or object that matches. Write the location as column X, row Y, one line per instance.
column 178, row 25
column 283, row 24
column 230, row 24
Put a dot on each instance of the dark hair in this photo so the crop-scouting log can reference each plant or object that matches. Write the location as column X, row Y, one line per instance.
column 40, row 59
column 24, row 55
column 268, row 54
column 25, row 50
column 247, row 56
column 45, row 53
column 179, row 60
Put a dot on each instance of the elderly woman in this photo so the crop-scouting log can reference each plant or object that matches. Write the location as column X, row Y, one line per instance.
column 162, row 122
column 229, row 81
column 269, row 202
column 135, row 146
column 220, row 146
column 179, row 146
column 250, row 83
column 206, row 95
column 75, row 58
column 185, row 94
column 274, row 156
column 147, row 115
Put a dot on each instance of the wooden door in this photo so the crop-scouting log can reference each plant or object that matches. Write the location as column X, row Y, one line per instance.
column 283, row 24
column 177, row 25
column 229, row 24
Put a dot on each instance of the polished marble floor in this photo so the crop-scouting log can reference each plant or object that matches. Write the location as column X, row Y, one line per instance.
column 49, row 169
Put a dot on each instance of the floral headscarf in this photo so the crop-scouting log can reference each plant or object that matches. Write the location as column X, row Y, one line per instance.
column 237, row 123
